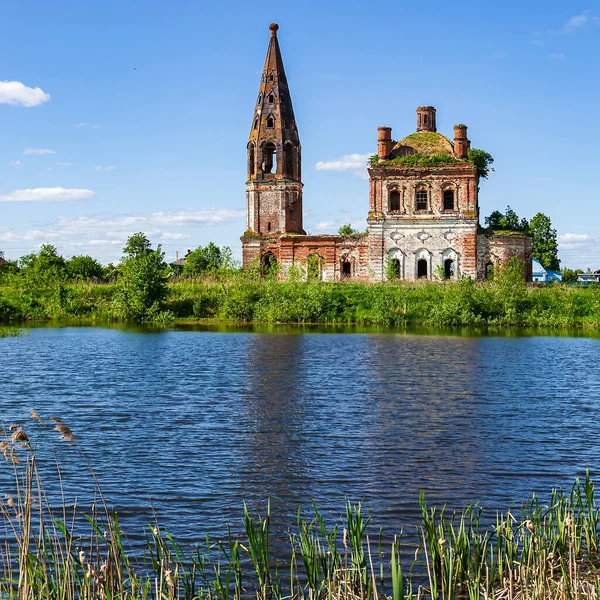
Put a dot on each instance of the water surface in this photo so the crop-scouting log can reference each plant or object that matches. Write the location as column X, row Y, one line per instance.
column 192, row 424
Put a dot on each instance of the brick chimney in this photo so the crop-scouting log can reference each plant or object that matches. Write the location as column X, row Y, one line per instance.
column 461, row 142
column 384, row 142
column 426, row 119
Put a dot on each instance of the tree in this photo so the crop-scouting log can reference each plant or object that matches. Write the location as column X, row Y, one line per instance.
column 545, row 246
column 482, row 160
column 347, row 230
column 142, row 280
column 209, row 259
column 570, row 274
column 43, row 268
column 84, row 268
column 509, row 221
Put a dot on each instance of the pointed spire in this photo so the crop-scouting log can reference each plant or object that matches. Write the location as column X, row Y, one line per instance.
column 273, row 123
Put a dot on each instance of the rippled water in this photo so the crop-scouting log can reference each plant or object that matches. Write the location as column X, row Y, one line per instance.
column 195, row 423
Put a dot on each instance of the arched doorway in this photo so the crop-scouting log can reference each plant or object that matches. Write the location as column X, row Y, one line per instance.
column 449, row 268
column 269, row 264
column 422, row 268
column 489, row 270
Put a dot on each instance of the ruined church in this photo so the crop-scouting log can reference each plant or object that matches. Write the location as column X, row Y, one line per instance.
column 423, row 217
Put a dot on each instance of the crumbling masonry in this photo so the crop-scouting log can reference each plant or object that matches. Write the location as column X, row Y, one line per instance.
column 423, row 220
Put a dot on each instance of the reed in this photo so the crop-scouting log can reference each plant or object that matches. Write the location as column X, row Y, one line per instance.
column 53, row 550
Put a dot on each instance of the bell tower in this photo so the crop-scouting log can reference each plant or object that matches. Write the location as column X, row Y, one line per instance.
column 274, row 184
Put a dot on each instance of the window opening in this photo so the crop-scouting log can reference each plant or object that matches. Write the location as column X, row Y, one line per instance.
column 396, row 268
column 268, row 158
column 313, row 267
column 395, row 200
column 346, row 269
column 448, row 199
column 271, row 77
column 269, row 226
column 251, row 160
column 271, row 98
column 421, row 199
column 422, row 269
column 489, row 270
column 256, row 123
column 425, row 120
column 270, row 122
column 448, row 268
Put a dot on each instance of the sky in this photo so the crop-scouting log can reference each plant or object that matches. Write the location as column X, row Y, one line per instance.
column 126, row 115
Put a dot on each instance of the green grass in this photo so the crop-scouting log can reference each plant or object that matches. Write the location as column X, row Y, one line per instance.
column 538, row 551
column 241, row 298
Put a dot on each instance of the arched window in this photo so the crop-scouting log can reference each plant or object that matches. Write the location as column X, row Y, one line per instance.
column 268, row 153
column 271, row 98
column 448, row 199
column 346, row 269
column 251, row 160
column 271, row 77
column 270, row 122
column 449, row 268
column 422, row 268
column 421, row 200
column 489, row 270
column 255, row 126
column 394, row 200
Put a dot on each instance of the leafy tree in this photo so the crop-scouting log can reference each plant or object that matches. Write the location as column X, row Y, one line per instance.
column 209, row 259
column 43, row 268
column 545, row 246
column 142, row 280
column 84, row 268
column 482, row 160
column 570, row 274
column 347, row 230
column 509, row 221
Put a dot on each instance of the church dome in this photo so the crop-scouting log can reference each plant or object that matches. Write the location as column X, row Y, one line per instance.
column 424, row 143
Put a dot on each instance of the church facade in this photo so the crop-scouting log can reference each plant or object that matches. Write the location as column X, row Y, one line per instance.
column 423, row 211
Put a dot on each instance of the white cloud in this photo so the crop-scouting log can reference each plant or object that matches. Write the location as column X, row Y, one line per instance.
column 63, row 164
column 23, row 236
column 18, row 94
column 557, row 56
column 325, row 226
column 175, row 236
column 15, row 163
column 355, row 163
column 102, row 169
column 576, row 22
column 38, row 151
column 56, row 194
column 90, row 125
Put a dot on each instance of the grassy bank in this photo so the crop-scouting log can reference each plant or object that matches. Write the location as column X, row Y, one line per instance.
column 245, row 299
column 50, row 551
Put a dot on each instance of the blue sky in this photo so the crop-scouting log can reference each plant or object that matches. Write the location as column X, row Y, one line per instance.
column 126, row 116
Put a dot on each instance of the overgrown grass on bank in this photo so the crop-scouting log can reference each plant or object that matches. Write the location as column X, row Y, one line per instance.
column 241, row 298
column 538, row 552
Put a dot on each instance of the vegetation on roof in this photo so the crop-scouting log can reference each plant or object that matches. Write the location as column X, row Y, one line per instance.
column 427, row 142
column 480, row 158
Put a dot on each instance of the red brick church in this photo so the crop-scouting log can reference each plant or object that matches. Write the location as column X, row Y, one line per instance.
column 423, row 218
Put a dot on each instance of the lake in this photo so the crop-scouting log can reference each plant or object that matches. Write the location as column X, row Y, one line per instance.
column 190, row 424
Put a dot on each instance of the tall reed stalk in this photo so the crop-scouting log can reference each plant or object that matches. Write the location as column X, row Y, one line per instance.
column 53, row 551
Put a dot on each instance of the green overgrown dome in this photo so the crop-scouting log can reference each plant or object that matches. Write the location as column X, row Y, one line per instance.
column 425, row 143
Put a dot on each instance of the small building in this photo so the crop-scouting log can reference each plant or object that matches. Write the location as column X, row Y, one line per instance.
column 542, row 275
column 2, row 262
column 593, row 277
column 178, row 264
